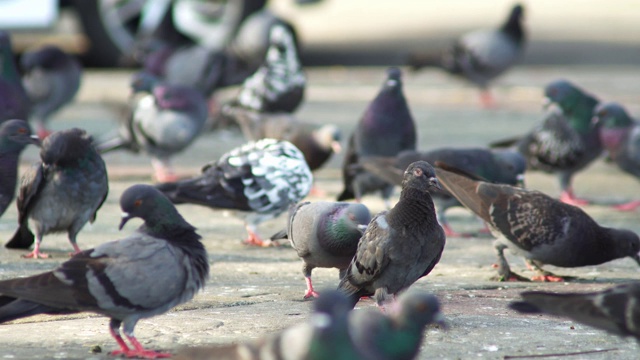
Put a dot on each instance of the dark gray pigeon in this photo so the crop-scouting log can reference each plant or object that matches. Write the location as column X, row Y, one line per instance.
column 325, row 234
column 163, row 123
column 61, row 192
column 260, row 178
column 620, row 137
column 566, row 142
column 15, row 135
column 616, row 310
column 119, row 279
column 538, row 227
column 51, row 78
column 497, row 166
column 14, row 102
column 385, row 129
column 398, row 335
column 482, row 55
column 400, row 245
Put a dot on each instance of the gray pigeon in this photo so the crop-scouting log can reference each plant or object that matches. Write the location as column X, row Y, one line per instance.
column 15, row 135
column 620, row 137
column 325, row 234
column 260, row 178
column 51, row 78
column 14, row 102
column 566, row 142
column 119, row 279
column 61, row 192
column 162, row 124
column 400, row 245
column 482, row 55
column 538, row 227
column 498, row 166
column 385, row 129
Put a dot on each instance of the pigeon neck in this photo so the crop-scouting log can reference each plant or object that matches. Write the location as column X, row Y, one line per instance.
column 8, row 170
column 581, row 113
column 414, row 207
column 338, row 237
column 513, row 28
column 403, row 342
column 8, row 66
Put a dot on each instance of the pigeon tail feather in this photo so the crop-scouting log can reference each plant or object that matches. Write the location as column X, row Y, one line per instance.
column 22, row 239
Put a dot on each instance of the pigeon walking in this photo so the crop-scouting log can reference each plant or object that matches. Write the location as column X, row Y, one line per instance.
column 400, row 245
column 482, row 55
column 119, row 279
column 260, row 178
column 620, row 137
column 385, row 129
column 61, row 192
column 51, row 78
column 325, row 234
column 14, row 102
column 615, row 309
column 15, row 135
column 538, row 227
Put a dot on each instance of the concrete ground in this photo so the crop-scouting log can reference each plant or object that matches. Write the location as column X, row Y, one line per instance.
column 252, row 292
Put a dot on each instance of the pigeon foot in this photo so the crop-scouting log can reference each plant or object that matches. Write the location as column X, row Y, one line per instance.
column 317, row 192
column 568, row 197
column 138, row 351
column 310, row 292
column 36, row 255
column 547, row 278
column 449, row 232
column 255, row 240
column 630, row 206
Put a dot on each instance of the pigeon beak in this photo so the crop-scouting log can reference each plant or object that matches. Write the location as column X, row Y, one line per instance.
column 361, row 227
column 392, row 82
column 35, row 140
column 520, row 180
column 435, row 183
column 125, row 217
column 546, row 102
column 439, row 319
column 336, row 147
column 636, row 257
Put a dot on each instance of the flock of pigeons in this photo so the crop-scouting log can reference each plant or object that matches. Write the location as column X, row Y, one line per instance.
column 378, row 256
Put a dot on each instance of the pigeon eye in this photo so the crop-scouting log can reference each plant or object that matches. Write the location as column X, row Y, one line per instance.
column 22, row 131
column 352, row 217
column 417, row 172
column 137, row 203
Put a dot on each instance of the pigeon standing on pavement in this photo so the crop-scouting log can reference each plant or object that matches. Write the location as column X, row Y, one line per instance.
column 482, row 55
column 325, row 234
column 15, row 135
column 616, row 310
column 620, row 137
column 385, row 129
column 119, row 279
column 260, row 178
column 51, row 78
column 498, row 166
column 538, row 227
column 400, row 245
column 162, row 124
column 567, row 141
column 61, row 192
column 14, row 102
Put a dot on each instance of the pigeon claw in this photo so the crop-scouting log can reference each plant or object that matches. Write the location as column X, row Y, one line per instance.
column 141, row 354
column 630, row 206
column 568, row 197
column 310, row 292
column 255, row 240
column 36, row 255
column 547, row 278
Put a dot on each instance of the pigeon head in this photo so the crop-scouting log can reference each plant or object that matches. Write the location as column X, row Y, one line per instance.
column 611, row 116
column 625, row 243
column 329, row 137
column 15, row 135
column 176, row 97
column 357, row 216
column 47, row 57
column 563, row 93
column 394, row 79
column 513, row 165
column 143, row 81
column 66, row 147
column 331, row 304
column 147, row 203
column 422, row 176
column 419, row 308
column 513, row 25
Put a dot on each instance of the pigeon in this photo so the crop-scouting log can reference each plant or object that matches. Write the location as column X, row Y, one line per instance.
column 163, row 123
column 15, row 135
column 538, row 227
column 616, row 310
column 385, row 129
column 324, row 336
column 503, row 166
column 14, row 102
column 119, row 279
column 398, row 335
column 61, row 192
column 482, row 55
column 566, row 142
column 399, row 246
column 620, row 137
column 260, row 178
column 51, row 78
column 325, row 234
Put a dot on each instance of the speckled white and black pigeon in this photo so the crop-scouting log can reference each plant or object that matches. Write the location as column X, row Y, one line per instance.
column 15, row 135
column 51, row 78
column 163, row 123
column 61, row 192
column 261, row 179
column 325, row 234
column 399, row 246
column 620, row 137
column 566, row 142
column 503, row 166
column 14, row 102
column 385, row 129
column 538, row 227
column 119, row 279
column 482, row 55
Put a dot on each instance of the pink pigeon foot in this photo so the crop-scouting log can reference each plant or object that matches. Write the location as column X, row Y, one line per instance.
column 487, row 100
column 449, row 232
column 317, row 192
column 43, row 133
column 630, row 206
column 138, row 352
column 547, row 278
column 254, row 240
column 310, row 292
column 36, row 255
column 568, row 197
